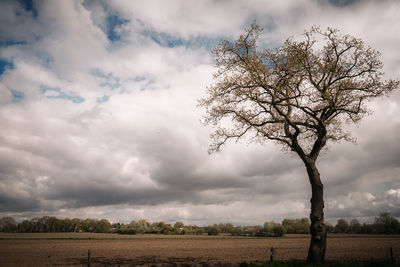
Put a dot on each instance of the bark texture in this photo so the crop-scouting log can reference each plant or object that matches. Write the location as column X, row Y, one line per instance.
column 316, row 251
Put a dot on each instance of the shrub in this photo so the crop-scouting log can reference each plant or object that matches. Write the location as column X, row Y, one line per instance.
column 214, row 230
column 199, row 231
column 238, row 230
column 279, row 230
column 127, row 231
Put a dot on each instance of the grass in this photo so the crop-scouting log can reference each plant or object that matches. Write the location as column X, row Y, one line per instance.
column 110, row 236
column 296, row 263
column 94, row 236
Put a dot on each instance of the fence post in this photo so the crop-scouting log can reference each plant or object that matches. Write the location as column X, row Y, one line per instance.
column 88, row 258
column 271, row 255
column 391, row 254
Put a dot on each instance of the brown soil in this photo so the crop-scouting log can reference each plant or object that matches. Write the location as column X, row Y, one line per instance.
column 186, row 251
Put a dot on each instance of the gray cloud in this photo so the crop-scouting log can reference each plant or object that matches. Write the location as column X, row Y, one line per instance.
column 142, row 151
column 364, row 206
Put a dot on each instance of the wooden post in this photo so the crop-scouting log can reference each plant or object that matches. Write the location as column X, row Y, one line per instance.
column 271, row 255
column 88, row 258
column 391, row 255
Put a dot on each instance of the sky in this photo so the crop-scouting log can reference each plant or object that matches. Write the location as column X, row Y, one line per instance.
column 99, row 115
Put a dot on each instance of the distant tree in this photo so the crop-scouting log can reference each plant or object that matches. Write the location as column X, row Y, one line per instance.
column 254, row 230
column 237, row 231
column 152, row 229
column 214, row 230
column 355, row 226
column 329, row 227
column 199, row 230
column 52, row 224
column 278, row 230
column 342, row 226
column 178, row 225
column 273, row 229
column 102, row 226
column 300, row 95
column 142, row 226
column 76, row 223
column 164, row 228
column 165, row 231
column 386, row 224
column 115, row 227
column 296, row 226
column 25, row 226
column 8, row 224
column 41, row 224
column 395, row 226
column 267, row 228
column 367, row 228
column 226, row 227
column 84, row 226
column 127, row 230
column 67, row 225
column 289, row 226
column 304, row 227
column 92, row 225
column 161, row 225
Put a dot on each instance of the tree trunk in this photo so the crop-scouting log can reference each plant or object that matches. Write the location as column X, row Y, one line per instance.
column 316, row 252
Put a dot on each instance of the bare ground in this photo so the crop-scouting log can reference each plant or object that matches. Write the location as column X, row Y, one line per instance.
column 180, row 251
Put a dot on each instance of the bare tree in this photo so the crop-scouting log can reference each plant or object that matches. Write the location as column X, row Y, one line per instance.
column 300, row 95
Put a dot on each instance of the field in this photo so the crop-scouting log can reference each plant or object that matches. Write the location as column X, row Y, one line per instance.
column 71, row 249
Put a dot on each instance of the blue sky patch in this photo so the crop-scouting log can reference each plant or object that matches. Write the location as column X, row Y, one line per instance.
column 57, row 93
column 342, row 3
column 45, row 58
column 103, row 99
column 29, row 6
column 4, row 65
column 11, row 42
column 107, row 79
column 113, row 22
column 139, row 78
column 17, row 95
column 167, row 40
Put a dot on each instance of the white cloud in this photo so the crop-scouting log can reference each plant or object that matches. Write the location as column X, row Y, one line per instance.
column 364, row 205
column 142, row 151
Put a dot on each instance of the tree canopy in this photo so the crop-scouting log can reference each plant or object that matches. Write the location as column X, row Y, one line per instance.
column 300, row 94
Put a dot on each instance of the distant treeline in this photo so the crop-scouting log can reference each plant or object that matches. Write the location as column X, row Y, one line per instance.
column 384, row 224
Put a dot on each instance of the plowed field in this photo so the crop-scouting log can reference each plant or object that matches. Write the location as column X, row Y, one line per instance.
column 116, row 250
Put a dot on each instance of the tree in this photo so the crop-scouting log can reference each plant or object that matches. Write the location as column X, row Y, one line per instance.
column 8, row 224
column 300, row 95
column 178, row 226
column 278, row 230
column 214, row 230
column 342, row 226
column 386, row 224
column 102, row 226
column 296, row 226
column 85, row 225
column 355, row 226
column 237, row 231
column 143, row 225
column 25, row 226
column 226, row 227
column 329, row 227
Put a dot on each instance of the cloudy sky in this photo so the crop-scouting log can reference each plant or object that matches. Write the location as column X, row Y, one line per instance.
column 98, row 114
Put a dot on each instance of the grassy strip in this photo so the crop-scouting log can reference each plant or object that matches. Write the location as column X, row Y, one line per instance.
column 37, row 236
column 115, row 238
column 296, row 263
